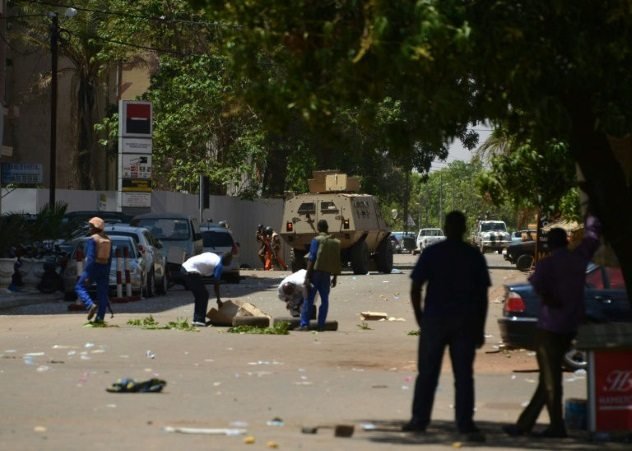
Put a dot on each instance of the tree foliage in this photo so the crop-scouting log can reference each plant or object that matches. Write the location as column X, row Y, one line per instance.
column 548, row 72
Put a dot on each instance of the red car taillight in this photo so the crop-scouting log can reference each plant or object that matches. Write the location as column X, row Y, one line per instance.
column 234, row 250
column 513, row 303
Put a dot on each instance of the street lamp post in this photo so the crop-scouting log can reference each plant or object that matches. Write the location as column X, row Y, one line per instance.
column 54, row 38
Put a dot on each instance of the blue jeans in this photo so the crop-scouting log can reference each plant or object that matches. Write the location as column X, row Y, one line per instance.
column 321, row 284
column 459, row 336
column 100, row 275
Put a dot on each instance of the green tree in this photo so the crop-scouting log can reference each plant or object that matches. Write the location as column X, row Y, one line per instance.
column 554, row 71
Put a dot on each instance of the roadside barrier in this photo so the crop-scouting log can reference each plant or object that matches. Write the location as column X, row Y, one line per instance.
column 122, row 268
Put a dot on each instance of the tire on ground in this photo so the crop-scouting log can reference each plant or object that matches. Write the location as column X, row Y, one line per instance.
column 575, row 360
column 360, row 258
column 524, row 262
column 256, row 321
column 148, row 289
column 384, row 257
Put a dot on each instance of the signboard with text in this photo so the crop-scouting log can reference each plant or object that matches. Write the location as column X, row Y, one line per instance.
column 21, row 173
column 611, row 386
column 136, row 166
column 135, row 153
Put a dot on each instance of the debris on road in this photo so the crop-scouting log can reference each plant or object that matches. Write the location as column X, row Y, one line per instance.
column 207, row 431
column 128, row 385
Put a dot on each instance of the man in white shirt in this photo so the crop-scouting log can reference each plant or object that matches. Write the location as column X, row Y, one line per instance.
column 202, row 265
column 292, row 291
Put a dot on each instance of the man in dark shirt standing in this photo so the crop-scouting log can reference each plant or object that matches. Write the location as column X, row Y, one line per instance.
column 453, row 314
column 559, row 281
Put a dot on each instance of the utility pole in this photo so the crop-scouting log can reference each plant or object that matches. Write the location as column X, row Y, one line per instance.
column 54, row 37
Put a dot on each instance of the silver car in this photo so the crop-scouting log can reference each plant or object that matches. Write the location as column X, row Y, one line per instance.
column 135, row 264
column 219, row 240
column 150, row 249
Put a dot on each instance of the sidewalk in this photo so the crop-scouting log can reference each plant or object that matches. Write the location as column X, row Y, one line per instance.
column 26, row 296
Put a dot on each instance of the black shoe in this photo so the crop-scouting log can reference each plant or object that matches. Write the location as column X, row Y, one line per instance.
column 414, row 426
column 302, row 329
column 92, row 311
column 198, row 324
column 513, row 431
column 551, row 433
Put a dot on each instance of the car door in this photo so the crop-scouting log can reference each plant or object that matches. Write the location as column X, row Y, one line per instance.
column 605, row 295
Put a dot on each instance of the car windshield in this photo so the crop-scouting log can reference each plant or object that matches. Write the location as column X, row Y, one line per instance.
column 167, row 229
column 132, row 235
column 493, row 226
column 211, row 238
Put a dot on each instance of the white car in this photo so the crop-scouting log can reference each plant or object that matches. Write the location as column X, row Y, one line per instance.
column 428, row 236
column 219, row 239
column 150, row 249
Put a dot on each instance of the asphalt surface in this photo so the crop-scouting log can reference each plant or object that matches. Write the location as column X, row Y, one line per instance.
column 245, row 391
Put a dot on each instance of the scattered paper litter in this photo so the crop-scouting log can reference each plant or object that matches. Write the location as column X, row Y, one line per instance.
column 374, row 316
column 207, row 431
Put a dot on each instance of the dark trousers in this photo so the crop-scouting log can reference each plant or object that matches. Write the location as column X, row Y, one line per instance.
column 321, row 283
column 458, row 335
column 100, row 275
column 550, row 349
column 200, row 295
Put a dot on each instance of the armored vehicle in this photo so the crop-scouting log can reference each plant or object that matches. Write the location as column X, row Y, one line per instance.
column 353, row 218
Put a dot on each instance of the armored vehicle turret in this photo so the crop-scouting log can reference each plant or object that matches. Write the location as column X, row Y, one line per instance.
column 353, row 218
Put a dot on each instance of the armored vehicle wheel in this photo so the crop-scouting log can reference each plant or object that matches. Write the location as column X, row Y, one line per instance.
column 297, row 259
column 384, row 257
column 360, row 258
column 524, row 262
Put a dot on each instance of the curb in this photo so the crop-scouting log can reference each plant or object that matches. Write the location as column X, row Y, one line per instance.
column 11, row 300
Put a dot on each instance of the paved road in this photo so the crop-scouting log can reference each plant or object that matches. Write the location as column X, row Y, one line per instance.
column 54, row 372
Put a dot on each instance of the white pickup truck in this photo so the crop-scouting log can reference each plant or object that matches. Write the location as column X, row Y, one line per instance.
column 426, row 237
column 491, row 235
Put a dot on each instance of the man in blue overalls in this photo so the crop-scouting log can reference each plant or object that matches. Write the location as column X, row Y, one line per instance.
column 96, row 269
column 323, row 267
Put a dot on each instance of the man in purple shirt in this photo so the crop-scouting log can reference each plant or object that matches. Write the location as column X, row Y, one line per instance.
column 559, row 281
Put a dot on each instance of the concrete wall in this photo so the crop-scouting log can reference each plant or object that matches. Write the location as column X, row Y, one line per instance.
column 241, row 215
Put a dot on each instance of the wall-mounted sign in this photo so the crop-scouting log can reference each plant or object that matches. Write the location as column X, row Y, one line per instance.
column 21, row 173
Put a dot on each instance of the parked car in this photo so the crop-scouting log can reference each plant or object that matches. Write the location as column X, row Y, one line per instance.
column 426, row 237
column 150, row 249
column 395, row 244
column 523, row 235
column 219, row 240
column 180, row 236
column 76, row 222
column 406, row 241
column 135, row 262
column 521, row 253
column 605, row 299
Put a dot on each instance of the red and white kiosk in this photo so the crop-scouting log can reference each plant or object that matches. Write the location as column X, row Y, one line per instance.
column 609, row 349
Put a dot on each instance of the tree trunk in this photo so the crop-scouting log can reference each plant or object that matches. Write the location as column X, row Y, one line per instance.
column 606, row 184
column 87, row 173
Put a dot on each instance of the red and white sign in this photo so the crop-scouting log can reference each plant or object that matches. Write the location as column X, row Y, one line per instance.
column 135, row 119
column 611, row 386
